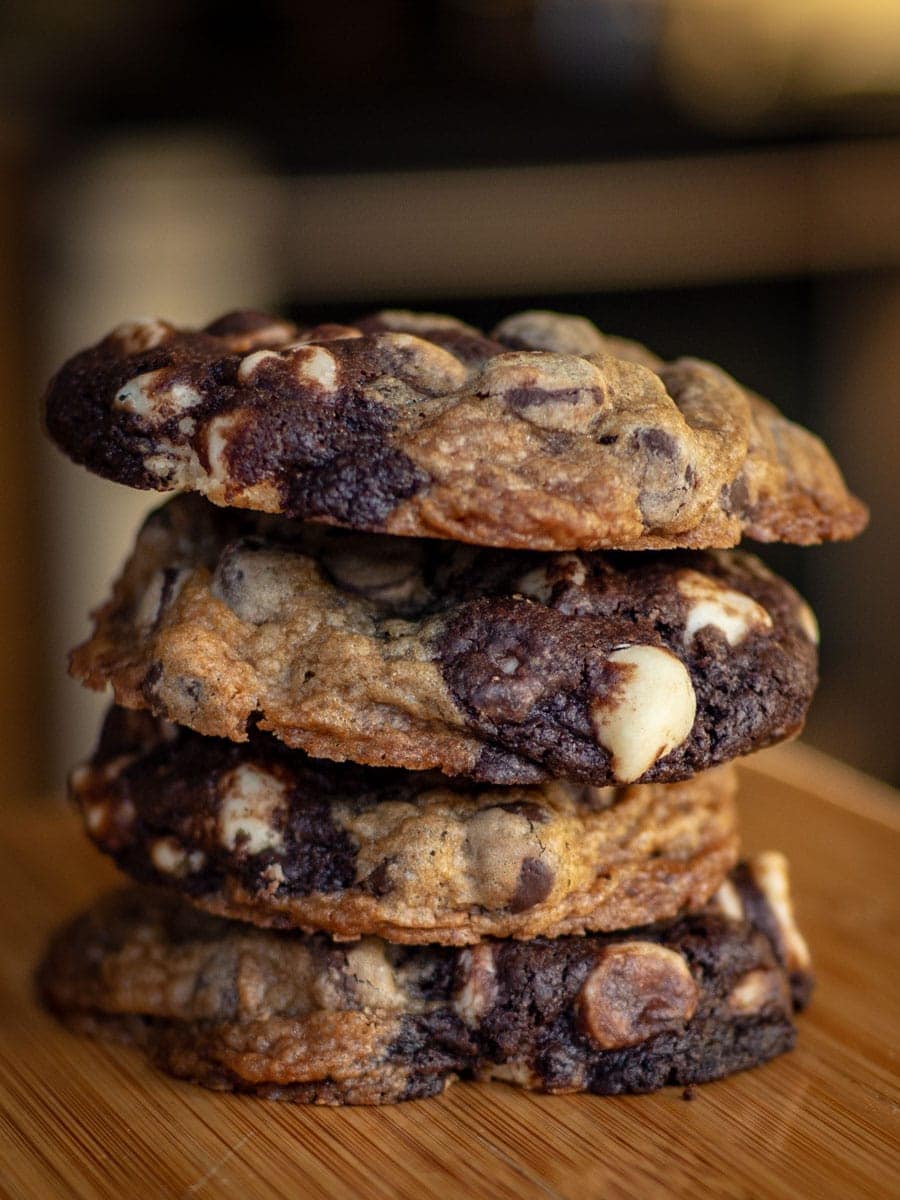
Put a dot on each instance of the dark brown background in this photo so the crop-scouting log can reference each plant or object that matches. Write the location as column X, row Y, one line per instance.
column 713, row 177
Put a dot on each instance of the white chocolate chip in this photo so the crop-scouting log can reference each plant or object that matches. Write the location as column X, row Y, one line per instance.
column 242, row 341
column 149, row 398
column 151, row 603
column 176, row 466
column 572, row 568
column 378, row 569
column 808, row 622
column 274, row 877
column 133, row 395
column 251, row 800
column 376, row 983
column 251, row 364
column 114, row 767
column 517, row 1072
column 733, row 613
column 253, row 583
column 479, row 989
column 169, row 856
column 650, row 713
column 769, row 872
column 143, row 333
column 95, row 816
column 79, row 776
column 756, row 989
column 324, row 333
column 217, row 444
column 536, row 585
column 728, row 901
column 314, row 364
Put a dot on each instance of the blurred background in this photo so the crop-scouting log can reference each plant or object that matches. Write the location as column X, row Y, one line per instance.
column 713, row 177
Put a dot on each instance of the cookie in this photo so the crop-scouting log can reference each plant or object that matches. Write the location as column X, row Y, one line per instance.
column 295, row 1017
column 504, row 666
column 262, row 833
column 546, row 436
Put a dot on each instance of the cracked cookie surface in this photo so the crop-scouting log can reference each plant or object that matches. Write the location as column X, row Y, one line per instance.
column 504, row 666
column 546, row 435
column 295, row 1017
column 262, row 833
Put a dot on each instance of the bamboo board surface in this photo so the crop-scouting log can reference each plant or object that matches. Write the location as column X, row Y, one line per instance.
column 87, row 1120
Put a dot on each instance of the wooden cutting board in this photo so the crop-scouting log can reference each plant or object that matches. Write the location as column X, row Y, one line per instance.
column 83, row 1119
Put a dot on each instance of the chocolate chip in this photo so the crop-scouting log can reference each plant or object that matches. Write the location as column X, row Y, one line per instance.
column 229, row 577
column 735, row 497
column 656, row 441
column 535, row 884
column 247, row 580
column 241, row 320
column 378, row 882
column 386, row 570
column 636, row 991
column 151, row 679
column 524, row 397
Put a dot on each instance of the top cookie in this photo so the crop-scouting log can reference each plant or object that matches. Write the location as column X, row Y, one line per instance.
column 548, row 435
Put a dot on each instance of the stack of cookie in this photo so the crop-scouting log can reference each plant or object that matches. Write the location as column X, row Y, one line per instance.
column 421, row 770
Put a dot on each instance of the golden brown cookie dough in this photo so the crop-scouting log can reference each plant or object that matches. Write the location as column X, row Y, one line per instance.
column 548, row 435
column 267, row 835
column 293, row 1017
column 504, row 666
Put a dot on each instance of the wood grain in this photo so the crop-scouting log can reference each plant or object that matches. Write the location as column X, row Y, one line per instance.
column 80, row 1119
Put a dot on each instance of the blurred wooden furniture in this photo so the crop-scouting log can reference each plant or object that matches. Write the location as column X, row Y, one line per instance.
column 86, row 1120
column 21, row 651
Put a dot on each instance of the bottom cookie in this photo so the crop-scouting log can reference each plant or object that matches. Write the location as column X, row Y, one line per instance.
column 296, row 1017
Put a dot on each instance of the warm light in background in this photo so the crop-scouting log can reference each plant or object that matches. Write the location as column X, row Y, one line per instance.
column 736, row 61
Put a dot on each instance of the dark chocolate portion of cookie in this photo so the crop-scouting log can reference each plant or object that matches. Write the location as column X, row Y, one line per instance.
column 173, row 789
column 527, row 675
column 342, row 466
